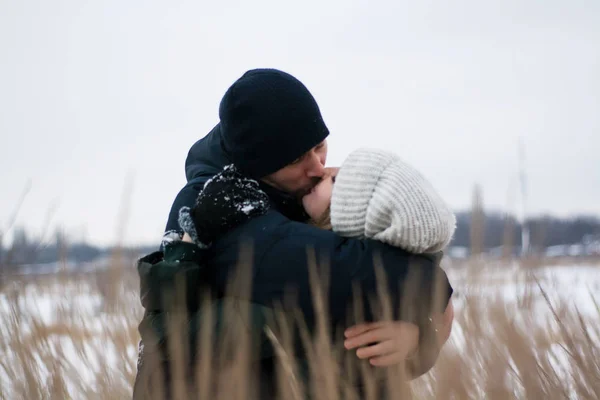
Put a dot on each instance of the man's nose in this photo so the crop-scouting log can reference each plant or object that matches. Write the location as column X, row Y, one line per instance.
column 315, row 169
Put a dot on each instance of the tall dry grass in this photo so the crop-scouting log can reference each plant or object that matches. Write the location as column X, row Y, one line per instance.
column 79, row 341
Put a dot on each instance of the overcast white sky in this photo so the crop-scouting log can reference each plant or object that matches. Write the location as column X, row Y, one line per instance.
column 94, row 91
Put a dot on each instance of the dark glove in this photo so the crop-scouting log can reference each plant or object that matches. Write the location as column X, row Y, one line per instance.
column 227, row 200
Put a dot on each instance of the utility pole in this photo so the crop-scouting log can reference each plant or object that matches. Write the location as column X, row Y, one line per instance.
column 477, row 226
column 523, row 192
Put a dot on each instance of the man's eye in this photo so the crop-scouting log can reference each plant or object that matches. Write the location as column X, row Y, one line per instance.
column 333, row 178
column 296, row 161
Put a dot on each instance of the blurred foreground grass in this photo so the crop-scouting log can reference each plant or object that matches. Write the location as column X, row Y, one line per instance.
column 74, row 336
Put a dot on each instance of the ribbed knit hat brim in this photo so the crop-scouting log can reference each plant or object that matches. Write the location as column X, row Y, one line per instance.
column 354, row 185
column 377, row 195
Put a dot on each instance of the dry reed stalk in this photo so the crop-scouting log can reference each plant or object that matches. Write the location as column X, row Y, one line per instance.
column 497, row 350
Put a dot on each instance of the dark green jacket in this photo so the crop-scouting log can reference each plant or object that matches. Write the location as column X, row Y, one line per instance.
column 174, row 282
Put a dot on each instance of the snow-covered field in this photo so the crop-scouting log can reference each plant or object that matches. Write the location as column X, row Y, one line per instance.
column 570, row 286
column 64, row 327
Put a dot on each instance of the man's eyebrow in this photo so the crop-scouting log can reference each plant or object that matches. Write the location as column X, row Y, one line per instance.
column 304, row 155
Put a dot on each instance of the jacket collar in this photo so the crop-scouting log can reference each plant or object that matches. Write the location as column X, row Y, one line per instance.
column 286, row 204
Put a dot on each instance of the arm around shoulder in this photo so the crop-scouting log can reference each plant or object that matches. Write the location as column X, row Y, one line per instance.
column 411, row 280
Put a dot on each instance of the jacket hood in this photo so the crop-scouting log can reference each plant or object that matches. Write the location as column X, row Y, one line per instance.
column 206, row 157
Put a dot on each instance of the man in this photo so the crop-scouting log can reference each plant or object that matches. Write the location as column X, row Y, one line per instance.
column 271, row 128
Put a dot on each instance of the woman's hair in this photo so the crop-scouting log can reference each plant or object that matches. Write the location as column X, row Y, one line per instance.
column 324, row 221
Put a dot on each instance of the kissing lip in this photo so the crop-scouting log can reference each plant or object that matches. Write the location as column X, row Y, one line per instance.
column 307, row 191
column 310, row 190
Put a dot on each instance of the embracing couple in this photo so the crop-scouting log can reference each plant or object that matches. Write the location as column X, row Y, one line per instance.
column 259, row 177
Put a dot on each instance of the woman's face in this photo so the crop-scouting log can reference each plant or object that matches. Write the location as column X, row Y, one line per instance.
column 319, row 198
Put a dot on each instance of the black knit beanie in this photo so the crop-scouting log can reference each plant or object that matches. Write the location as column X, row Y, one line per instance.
column 268, row 120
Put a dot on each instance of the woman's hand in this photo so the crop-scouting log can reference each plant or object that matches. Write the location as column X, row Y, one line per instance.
column 392, row 342
column 383, row 343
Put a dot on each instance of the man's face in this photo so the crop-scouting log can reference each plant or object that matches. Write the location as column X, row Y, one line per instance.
column 299, row 177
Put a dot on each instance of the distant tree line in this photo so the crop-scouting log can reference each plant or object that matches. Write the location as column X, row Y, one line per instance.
column 496, row 229
column 492, row 229
column 27, row 249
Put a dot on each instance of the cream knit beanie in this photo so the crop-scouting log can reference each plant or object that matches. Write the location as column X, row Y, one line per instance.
column 376, row 195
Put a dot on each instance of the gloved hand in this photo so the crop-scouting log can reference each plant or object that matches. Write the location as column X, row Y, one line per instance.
column 227, row 200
